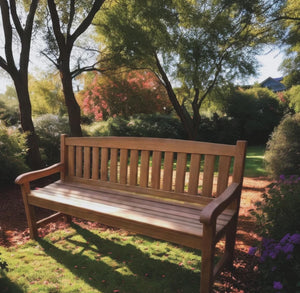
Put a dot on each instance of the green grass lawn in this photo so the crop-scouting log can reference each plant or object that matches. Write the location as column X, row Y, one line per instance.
column 255, row 166
column 79, row 260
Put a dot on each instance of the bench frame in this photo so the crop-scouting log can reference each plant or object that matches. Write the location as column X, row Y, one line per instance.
column 80, row 164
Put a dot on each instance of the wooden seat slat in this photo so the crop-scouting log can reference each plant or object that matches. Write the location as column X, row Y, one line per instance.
column 167, row 210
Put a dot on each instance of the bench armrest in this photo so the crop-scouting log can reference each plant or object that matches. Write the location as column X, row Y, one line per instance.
column 34, row 175
column 210, row 213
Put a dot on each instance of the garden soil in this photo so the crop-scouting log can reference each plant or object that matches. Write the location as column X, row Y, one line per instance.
column 241, row 278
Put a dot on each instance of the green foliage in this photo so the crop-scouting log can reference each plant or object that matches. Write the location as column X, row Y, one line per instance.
column 49, row 127
column 194, row 45
column 294, row 98
column 46, row 95
column 9, row 114
column 279, row 224
column 278, row 212
column 256, row 112
column 141, row 125
column 282, row 154
column 9, row 107
column 12, row 154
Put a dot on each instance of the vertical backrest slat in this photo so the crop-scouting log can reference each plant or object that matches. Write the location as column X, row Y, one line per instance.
column 180, row 172
column 208, row 175
column 78, row 161
column 144, row 177
column 168, row 171
column 156, row 166
column 223, row 173
column 63, row 157
column 239, row 161
column 104, row 164
column 134, row 160
column 114, row 165
column 194, row 174
column 123, row 165
column 87, row 163
column 95, row 163
column 71, row 160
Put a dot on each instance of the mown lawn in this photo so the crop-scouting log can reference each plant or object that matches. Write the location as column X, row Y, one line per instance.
column 255, row 165
column 79, row 260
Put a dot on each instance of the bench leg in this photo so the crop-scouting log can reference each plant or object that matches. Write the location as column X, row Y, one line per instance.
column 31, row 220
column 67, row 219
column 207, row 261
column 30, row 212
column 230, row 242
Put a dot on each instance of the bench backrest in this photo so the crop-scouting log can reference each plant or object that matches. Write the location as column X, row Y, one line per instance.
column 165, row 165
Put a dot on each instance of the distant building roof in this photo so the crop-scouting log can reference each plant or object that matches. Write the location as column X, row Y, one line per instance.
column 274, row 84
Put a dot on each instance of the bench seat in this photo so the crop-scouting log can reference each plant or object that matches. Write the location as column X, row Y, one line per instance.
column 166, row 219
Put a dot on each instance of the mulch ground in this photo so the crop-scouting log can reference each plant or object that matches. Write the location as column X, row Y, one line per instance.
column 242, row 278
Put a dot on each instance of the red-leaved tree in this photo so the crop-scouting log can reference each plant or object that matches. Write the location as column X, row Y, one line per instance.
column 124, row 94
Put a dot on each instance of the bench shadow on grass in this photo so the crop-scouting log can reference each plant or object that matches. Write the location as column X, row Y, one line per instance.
column 7, row 286
column 145, row 273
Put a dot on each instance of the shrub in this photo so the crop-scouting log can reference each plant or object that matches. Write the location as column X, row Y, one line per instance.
column 256, row 112
column 49, row 127
column 279, row 225
column 12, row 154
column 283, row 149
column 143, row 125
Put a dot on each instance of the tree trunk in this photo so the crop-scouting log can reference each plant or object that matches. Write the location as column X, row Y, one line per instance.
column 70, row 100
column 33, row 155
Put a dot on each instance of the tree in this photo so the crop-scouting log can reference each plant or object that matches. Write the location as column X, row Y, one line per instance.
column 17, row 68
column 191, row 44
column 286, row 24
column 61, row 40
column 124, row 94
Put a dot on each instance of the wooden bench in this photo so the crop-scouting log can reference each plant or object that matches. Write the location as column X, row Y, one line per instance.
column 175, row 190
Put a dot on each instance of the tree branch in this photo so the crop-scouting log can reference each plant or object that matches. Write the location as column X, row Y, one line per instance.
column 56, row 24
column 72, row 13
column 7, row 27
column 87, row 21
column 15, row 18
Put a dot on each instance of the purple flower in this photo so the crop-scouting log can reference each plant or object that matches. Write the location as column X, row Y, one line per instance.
column 273, row 254
column 295, row 238
column 277, row 285
column 282, row 177
column 285, row 238
column 252, row 250
column 288, row 248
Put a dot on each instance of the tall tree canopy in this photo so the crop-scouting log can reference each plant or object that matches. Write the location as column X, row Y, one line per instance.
column 190, row 44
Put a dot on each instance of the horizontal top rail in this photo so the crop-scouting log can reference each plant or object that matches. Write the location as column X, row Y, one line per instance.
column 154, row 144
